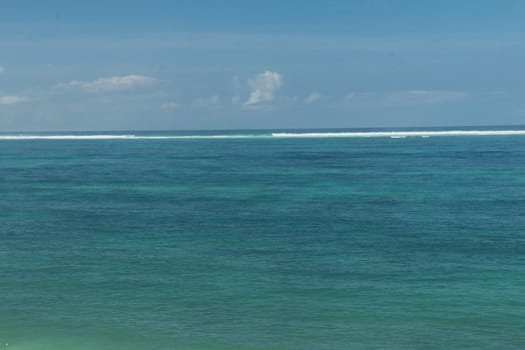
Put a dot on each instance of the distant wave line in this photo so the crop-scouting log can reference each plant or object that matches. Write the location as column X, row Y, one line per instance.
column 356, row 134
column 402, row 134
column 65, row 137
column 121, row 137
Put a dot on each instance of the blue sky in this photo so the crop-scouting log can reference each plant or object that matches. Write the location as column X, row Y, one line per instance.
column 131, row 65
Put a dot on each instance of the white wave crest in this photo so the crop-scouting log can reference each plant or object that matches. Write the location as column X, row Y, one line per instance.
column 403, row 134
column 390, row 134
column 121, row 137
column 65, row 137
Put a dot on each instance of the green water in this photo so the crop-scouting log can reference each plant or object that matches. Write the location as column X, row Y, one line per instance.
column 263, row 243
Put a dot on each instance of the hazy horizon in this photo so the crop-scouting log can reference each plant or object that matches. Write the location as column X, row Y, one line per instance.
column 494, row 127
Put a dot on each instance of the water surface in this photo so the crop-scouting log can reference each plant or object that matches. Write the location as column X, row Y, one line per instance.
column 262, row 242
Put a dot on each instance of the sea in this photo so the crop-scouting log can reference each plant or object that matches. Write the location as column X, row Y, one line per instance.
column 263, row 239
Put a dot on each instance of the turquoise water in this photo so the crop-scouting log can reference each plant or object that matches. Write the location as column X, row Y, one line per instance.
column 263, row 243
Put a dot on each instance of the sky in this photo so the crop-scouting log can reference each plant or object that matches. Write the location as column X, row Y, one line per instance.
column 69, row 65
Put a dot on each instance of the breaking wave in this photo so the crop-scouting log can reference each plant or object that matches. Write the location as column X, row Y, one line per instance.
column 122, row 137
column 342, row 134
column 403, row 134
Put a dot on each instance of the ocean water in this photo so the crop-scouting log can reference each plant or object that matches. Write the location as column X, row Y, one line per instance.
column 253, row 240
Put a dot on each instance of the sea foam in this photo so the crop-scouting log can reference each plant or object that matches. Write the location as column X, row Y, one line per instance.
column 390, row 134
column 122, row 137
column 403, row 134
column 65, row 137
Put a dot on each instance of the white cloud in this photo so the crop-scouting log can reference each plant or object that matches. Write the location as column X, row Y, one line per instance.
column 263, row 87
column 314, row 96
column 2, row 69
column 361, row 98
column 115, row 83
column 12, row 99
column 423, row 97
column 170, row 105
column 408, row 98
column 206, row 101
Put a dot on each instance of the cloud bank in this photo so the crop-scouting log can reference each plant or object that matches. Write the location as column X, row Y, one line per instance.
column 170, row 105
column 423, row 97
column 314, row 96
column 409, row 98
column 206, row 101
column 116, row 83
column 12, row 99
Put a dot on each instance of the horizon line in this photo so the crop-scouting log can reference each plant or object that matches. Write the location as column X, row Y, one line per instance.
column 391, row 128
